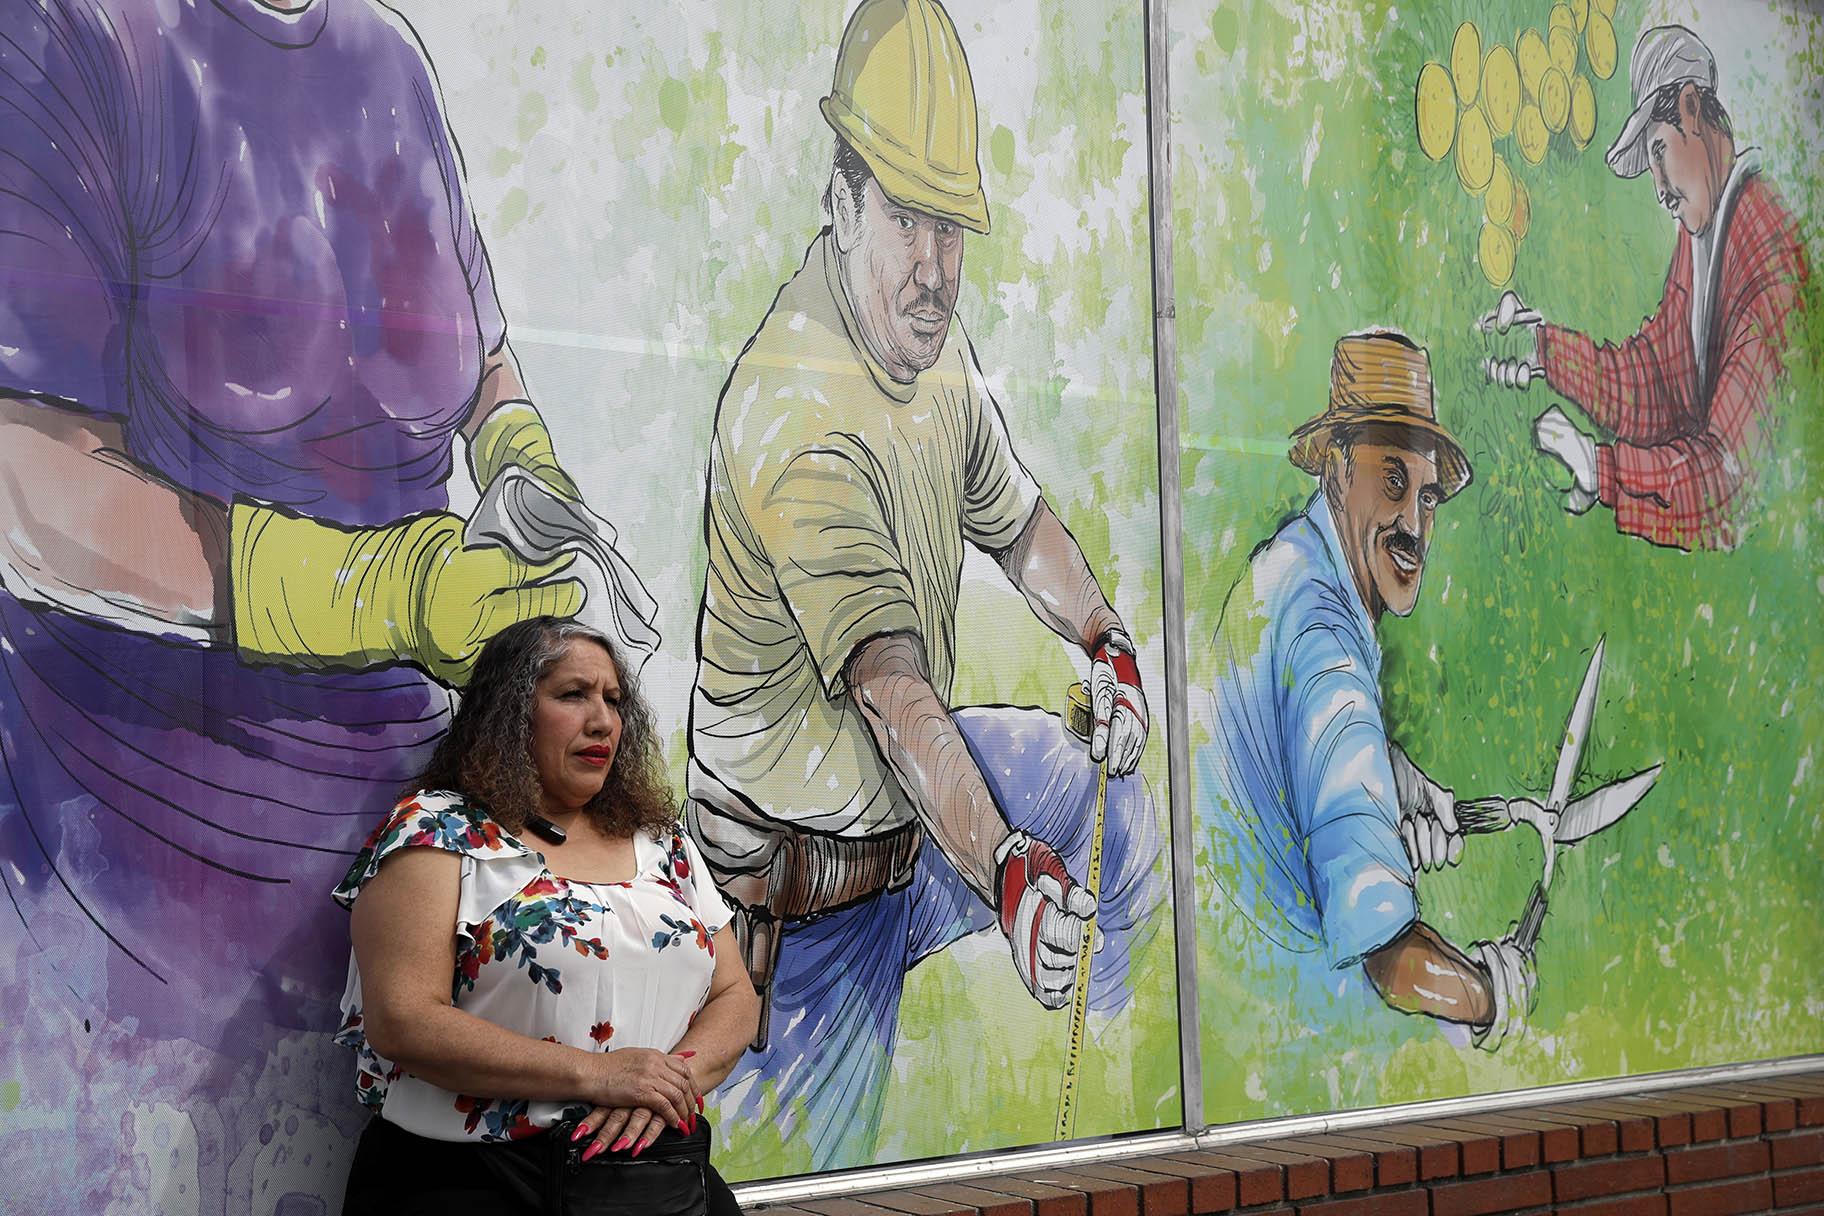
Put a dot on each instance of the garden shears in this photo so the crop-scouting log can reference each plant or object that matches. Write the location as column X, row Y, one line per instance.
column 1561, row 822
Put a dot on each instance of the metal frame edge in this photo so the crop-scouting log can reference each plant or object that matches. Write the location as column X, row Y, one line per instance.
column 1171, row 518
column 1171, row 550
column 1444, row 1108
column 961, row 1169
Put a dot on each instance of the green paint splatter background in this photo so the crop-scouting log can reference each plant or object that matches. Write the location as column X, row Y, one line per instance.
column 1303, row 209
column 646, row 179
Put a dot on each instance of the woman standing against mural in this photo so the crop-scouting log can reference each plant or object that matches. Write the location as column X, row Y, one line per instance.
column 244, row 312
column 624, row 992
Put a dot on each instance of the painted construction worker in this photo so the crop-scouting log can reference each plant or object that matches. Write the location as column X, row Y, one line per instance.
column 858, row 823
column 1318, row 821
column 1687, row 397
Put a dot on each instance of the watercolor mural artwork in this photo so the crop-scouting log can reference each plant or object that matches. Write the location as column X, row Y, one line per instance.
column 858, row 822
column 243, row 335
column 1319, row 821
column 808, row 350
column 1436, row 198
column 273, row 472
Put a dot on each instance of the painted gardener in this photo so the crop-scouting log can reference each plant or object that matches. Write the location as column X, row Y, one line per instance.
column 1687, row 397
column 1321, row 820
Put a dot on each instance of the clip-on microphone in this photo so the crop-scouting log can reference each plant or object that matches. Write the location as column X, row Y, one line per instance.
column 545, row 830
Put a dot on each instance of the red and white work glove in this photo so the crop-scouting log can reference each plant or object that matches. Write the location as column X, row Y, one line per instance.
column 1044, row 914
column 1119, row 734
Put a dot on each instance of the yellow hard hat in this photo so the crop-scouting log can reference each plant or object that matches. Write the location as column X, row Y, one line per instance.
column 904, row 101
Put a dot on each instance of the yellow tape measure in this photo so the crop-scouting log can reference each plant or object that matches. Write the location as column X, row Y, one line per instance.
column 1080, row 718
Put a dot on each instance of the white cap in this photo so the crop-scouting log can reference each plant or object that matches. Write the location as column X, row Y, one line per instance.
column 1665, row 54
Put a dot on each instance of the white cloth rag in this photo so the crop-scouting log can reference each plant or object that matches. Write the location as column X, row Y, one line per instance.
column 520, row 513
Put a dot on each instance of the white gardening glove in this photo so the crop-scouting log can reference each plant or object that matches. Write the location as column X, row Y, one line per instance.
column 1556, row 436
column 1506, row 315
column 1119, row 706
column 1512, row 983
column 1508, row 312
column 1512, row 373
column 1428, row 815
column 1043, row 912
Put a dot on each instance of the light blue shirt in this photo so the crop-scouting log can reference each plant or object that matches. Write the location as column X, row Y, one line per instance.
column 1295, row 790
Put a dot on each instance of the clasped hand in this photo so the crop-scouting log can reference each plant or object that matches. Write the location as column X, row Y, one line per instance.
column 1513, row 988
column 640, row 1092
column 1428, row 815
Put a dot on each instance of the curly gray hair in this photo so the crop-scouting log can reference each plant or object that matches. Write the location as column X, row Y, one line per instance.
column 487, row 754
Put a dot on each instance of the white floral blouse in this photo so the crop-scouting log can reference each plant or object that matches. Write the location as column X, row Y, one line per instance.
column 596, row 965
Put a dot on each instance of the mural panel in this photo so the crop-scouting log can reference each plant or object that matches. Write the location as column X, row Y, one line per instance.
column 806, row 349
column 335, row 337
column 1495, row 721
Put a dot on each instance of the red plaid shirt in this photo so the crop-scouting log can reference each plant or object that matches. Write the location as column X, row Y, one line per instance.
column 1682, row 459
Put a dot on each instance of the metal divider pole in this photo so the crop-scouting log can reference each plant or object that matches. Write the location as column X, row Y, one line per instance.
column 1171, row 545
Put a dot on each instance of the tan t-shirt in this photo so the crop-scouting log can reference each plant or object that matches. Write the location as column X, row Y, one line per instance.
column 837, row 507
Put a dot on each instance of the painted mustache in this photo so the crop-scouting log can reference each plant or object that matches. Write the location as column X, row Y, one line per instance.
column 928, row 305
column 1403, row 544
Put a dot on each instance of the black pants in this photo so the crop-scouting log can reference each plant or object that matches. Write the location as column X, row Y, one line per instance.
column 398, row 1173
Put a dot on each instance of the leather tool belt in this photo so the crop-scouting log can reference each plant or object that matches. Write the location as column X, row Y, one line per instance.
column 795, row 875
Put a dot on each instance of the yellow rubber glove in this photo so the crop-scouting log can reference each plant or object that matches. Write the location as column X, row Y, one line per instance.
column 314, row 595
column 514, row 433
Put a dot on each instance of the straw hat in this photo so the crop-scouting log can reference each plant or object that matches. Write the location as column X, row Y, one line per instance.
column 1380, row 378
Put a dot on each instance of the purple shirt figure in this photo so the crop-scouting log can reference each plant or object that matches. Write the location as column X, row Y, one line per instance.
column 237, row 235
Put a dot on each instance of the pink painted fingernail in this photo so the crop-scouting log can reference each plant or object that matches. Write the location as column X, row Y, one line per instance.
column 582, row 1129
column 620, row 1144
column 592, row 1150
column 685, row 1055
column 638, row 1148
column 699, row 1101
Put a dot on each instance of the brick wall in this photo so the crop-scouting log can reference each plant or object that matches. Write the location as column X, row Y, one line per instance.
column 1700, row 1151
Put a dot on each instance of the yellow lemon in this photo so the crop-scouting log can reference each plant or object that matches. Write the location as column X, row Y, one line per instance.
column 1583, row 111
column 1599, row 44
column 1523, row 211
column 1534, row 58
column 1500, row 90
column 1530, row 132
column 1498, row 199
column 1495, row 251
column 1561, row 45
column 1475, row 151
column 1605, row 7
column 1466, row 62
column 1554, row 99
column 1580, row 11
column 1561, row 15
column 1436, row 109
